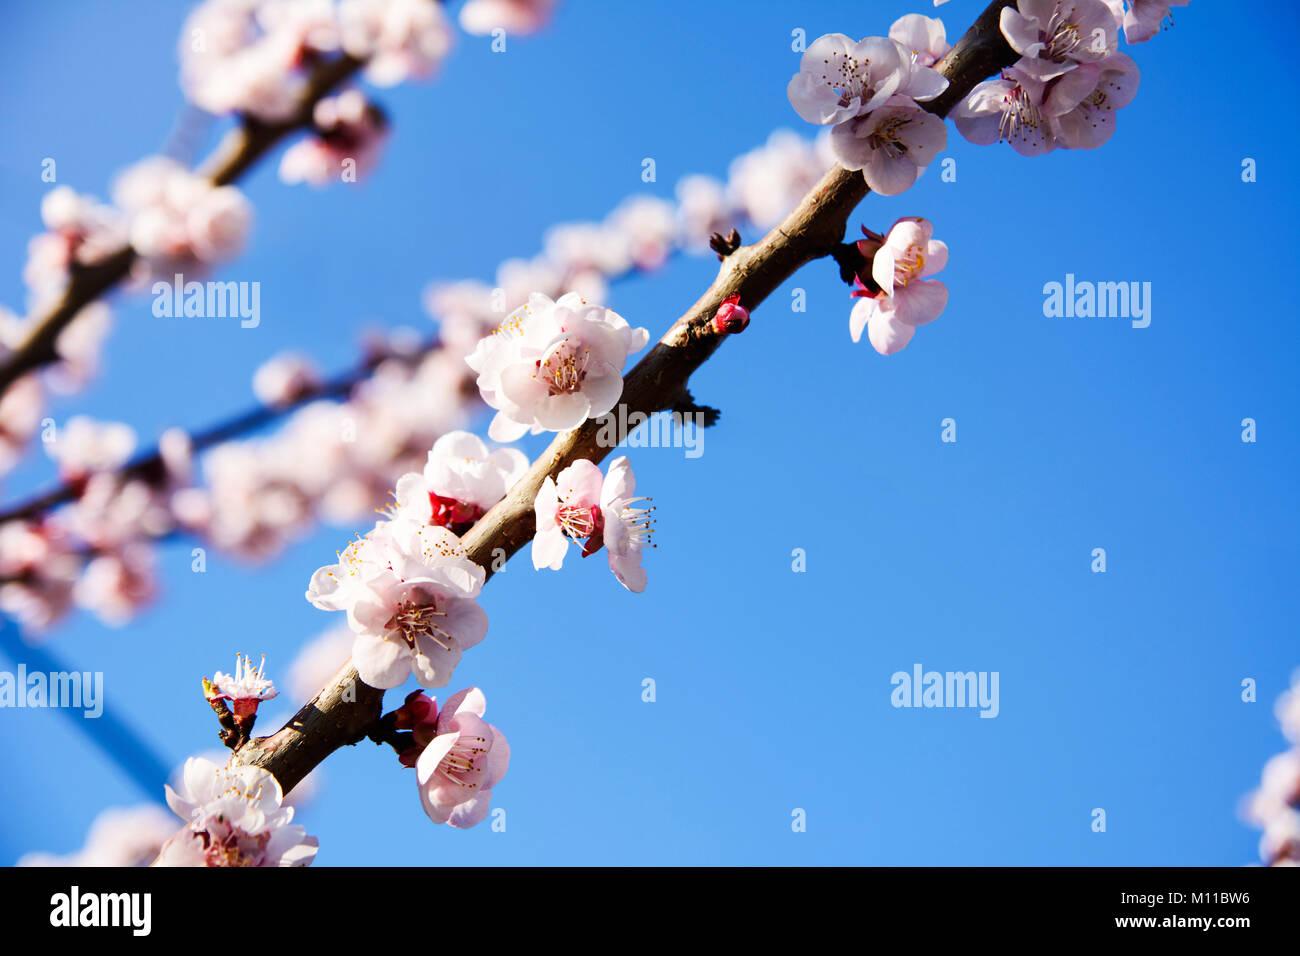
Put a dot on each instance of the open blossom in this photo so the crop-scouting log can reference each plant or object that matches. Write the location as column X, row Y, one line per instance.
column 1010, row 108
column 892, row 145
column 924, row 36
column 347, row 128
column 461, row 480
column 1143, row 18
column 839, row 79
column 552, row 365
column 39, row 564
column 466, row 758
column 907, row 297
column 1054, row 36
column 179, row 218
column 234, row 817
column 245, row 689
column 481, row 17
column 117, row 582
column 409, row 592
column 78, row 231
column 400, row 39
column 1104, row 87
column 581, row 505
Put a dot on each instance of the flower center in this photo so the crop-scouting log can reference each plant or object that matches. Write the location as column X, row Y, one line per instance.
column 848, row 76
column 578, row 521
column 412, row 621
column 461, row 766
column 1021, row 118
column 1062, row 36
column 563, row 368
column 886, row 136
column 453, row 514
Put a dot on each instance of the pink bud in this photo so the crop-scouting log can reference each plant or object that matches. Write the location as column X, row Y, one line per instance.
column 732, row 318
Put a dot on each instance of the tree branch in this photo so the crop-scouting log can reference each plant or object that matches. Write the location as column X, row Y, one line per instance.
column 813, row 230
column 244, row 146
column 149, row 465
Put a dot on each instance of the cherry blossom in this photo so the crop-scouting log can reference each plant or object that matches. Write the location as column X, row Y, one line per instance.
column 1010, row 108
column 401, row 39
column 247, row 687
column 235, row 816
column 84, row 446
column 767, row 182
column 481, row 17
column 1143, row 18
column 461, row 480
column 907, row 298
column 923, row 36
column 178, row 218
column 581, row 505
column 285, row 379
column 348, row 128
column 552, row 365
column 839, row 79
column 466, row 758
column 39, row 565
column 1109, row 85
column 118, row 836
column 409, row 592
column 117, row 582
column 1054, row 36
column 892, row 145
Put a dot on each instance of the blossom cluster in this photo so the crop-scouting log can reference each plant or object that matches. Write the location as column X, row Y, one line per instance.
column 869, row 92
column 407, row 587
column 234, row 816
column 335, row 461
column 1275, row 806
column 1070, row 80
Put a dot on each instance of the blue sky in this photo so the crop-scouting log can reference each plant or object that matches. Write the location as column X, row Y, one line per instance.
column 1119, row 690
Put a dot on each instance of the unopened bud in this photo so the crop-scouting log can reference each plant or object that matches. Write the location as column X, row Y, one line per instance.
column 731, row 318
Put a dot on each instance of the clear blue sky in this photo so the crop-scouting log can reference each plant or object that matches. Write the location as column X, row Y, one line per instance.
column 1118, row 690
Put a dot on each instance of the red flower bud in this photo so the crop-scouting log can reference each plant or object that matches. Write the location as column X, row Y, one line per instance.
column 731, row 318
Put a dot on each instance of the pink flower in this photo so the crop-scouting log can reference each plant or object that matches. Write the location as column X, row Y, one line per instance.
column 119, row 836
column 235, row 816
column 1144, row 18
column 84, row 446
column 839, row 79
column 462, row 763
column 1054, row 36
column 348, row 127
column 481, row 17
column 1103, row 88
column 461, row 481
column 401, row 39
column 1012, row 109
column 581, row 505
column 178, row 218
column 892, row 145
column 923, row 36
column 907, row 298
column 245, row 689
column 552, row 365
column 410, row 596
column 285, row 379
